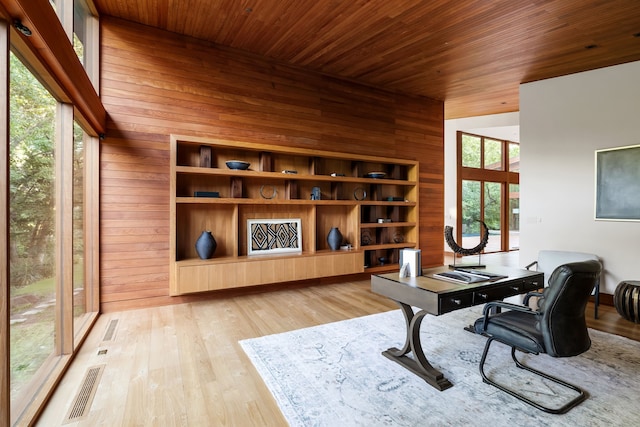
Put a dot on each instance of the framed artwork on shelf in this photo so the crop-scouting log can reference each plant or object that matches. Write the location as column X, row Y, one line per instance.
column 618, row 184
column 274, row 236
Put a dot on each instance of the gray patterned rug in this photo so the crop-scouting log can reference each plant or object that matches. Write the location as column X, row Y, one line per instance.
column 334, row 374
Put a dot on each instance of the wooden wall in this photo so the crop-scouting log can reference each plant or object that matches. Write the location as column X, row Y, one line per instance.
column 155, row 83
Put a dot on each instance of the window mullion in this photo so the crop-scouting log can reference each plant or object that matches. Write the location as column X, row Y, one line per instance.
column 482, row 204
column 92, row 223
column 65, row 13
column 64, row 228
column 5, row 365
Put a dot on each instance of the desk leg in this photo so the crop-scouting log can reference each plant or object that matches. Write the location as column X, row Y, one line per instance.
column 419, row 364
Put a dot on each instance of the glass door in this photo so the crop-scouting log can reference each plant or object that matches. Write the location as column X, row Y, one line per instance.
column 481, row 201
column 514, row 216
column 492, row 214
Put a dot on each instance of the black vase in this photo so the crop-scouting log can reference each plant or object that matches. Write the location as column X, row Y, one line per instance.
column 206, row 245
column 334, row 239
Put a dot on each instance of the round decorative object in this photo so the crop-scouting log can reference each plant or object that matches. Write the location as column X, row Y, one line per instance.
column 448, row 235
column 626, row 299
column 206, row 245
column 268, row 196
column 359, row 194
column 398, row 238
column 383, row 260
column 237, row 165
column 334, row 239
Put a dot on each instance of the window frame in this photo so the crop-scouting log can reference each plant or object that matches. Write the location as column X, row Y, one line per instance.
column 504, row 177
column 58, row 68
column 5, row 368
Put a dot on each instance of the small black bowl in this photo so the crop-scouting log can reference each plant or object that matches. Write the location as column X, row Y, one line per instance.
column 238, row 165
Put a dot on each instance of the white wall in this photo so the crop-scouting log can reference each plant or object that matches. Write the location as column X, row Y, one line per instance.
column 562, row 122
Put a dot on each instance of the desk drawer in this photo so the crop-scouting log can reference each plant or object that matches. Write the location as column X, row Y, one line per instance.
column 521, row 286
column 503, row 291
column 532, row 284
column 497, row 293
column 451, row 303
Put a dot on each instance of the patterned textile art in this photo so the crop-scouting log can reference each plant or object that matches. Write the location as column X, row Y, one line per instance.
column 334, row 375
column 274, row 236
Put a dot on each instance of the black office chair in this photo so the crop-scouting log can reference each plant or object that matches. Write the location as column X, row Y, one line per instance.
column 549, row 260
column 558, row 327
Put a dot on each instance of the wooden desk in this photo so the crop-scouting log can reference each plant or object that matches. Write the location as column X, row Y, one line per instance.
column 436, row 297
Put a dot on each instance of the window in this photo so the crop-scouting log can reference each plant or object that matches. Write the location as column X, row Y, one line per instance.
column 41, row 204
column 32, row 226
column 514, row 157
column 81, row 303
column 514, row 216
column 85, row 24
column 51, row 233
column 493, row 157
column 488, row 191
column 80, row 20
column 471, row 149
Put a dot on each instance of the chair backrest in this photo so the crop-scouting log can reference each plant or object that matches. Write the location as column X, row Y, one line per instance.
column 548, row 261
column 563, row 304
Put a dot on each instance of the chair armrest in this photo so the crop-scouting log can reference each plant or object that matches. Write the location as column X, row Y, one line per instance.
column 488, row 308
column 525, row 300
column 528, row 266
column 503, row 304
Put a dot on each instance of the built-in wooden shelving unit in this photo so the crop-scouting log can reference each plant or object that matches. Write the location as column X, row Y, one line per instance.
column 377, row 216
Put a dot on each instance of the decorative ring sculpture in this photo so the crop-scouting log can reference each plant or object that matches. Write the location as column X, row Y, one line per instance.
column 359, row 193
column 273, row 191
column 448, row 235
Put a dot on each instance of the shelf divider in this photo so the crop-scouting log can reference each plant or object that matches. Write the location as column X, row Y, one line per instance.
column 236, row 187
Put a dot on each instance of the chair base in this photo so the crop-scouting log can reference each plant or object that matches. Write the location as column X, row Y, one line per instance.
column 582, row 395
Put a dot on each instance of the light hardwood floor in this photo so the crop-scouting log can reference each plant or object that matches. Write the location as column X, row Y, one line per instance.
column 182, row 364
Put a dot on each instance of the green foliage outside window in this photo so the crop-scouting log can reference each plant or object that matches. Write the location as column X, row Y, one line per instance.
column 32, row 225
column 492, row 204
column 473, row 148
column 31, row 163
column 471, row 151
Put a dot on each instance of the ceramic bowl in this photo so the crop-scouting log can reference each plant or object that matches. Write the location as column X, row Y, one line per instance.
column 375, row 175
column 238, row 165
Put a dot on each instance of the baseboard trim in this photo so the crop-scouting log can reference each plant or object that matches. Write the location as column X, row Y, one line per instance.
column 605, row 299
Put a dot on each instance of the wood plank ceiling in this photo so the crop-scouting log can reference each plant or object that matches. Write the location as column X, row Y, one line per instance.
column 472, row 54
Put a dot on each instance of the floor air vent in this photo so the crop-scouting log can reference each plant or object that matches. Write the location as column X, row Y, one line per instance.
column 82, row 402
column 111, row 330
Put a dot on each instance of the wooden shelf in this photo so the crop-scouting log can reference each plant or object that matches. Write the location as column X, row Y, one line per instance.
column 258, row 258
column 191, row 170
column 388, row 246
column 386, row 203
column 244, row 201
column 198, row 164
column 387, row 268
column 386, row 224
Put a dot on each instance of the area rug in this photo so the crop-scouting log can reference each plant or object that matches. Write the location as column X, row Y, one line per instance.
column 335, row 375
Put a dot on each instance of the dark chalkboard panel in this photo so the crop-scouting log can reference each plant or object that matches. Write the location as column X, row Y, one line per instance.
column 618, row 183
